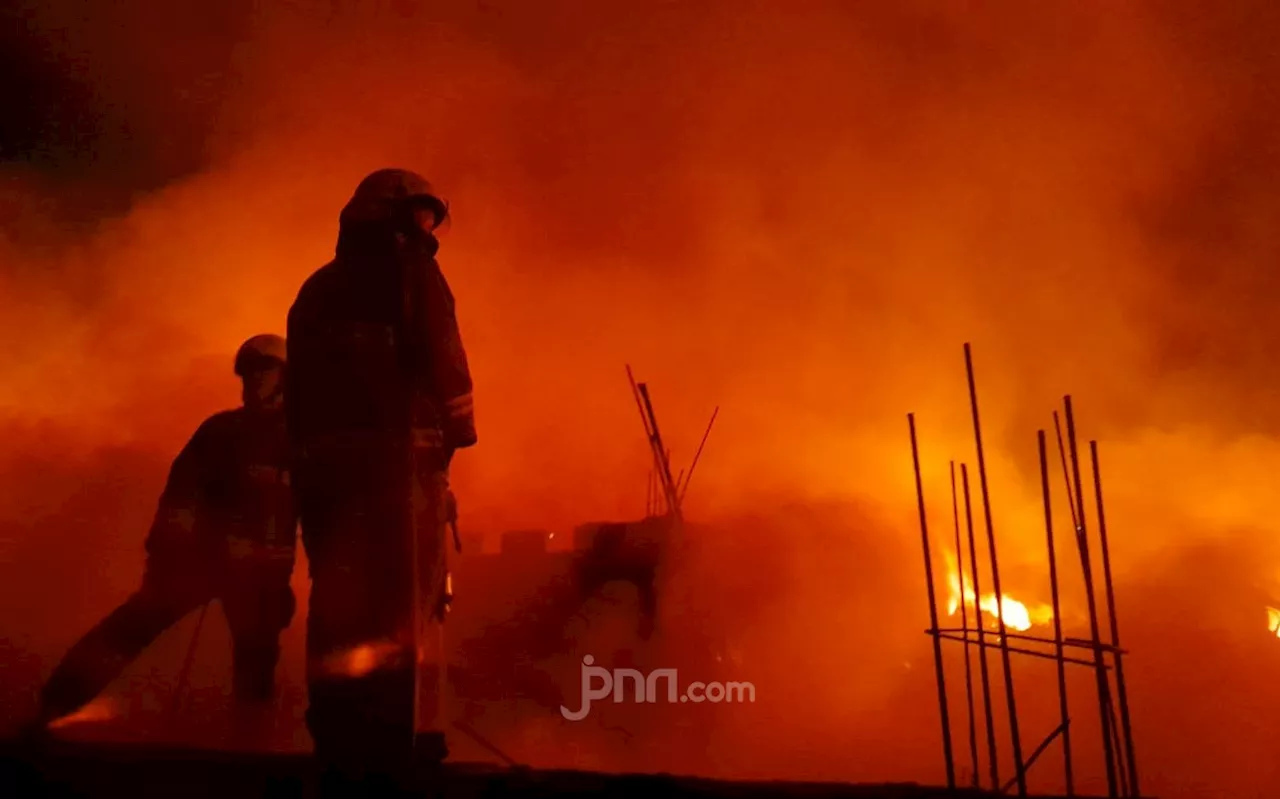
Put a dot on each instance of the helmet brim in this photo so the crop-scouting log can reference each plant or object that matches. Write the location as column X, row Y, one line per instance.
column 436, row 205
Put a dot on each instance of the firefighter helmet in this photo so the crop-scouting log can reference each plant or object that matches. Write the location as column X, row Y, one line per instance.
column 260, row 348
column 380, row 191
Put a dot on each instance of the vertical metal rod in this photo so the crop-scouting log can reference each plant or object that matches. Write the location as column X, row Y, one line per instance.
column 661, row 461
column 1100, row 667
column 635, row 393
column 684, row 489
column 933, row 612
column 983, row 671
column 964, row 626
column 1057, row 620
column 1010, row 698
column 1066, row 475
column 1121, row 770
column 1129, row 752
column 663, row 457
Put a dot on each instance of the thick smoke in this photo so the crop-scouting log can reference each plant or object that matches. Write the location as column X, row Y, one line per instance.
column 798, row 214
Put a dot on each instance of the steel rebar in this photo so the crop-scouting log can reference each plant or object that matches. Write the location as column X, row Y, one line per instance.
column 635, row 393
column 661, row 465
column 1082, row 542
column 1126, row 728
column 1066, row 474
column 1121, row 770
column 660, row 452
column 1010, row 698
column 684, row 489
column 933, row 611
column 1069, row 777
column 661, row 457
column 1036, row 754
column 1067, row 641
column 1084, row 642
column 1014, row 649
column 983, row 669
column 964, row 624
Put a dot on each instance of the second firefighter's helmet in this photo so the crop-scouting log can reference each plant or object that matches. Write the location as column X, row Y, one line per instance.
column 380, row 192
column 261, row 350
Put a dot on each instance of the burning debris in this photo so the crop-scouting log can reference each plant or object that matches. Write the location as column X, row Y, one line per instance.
column 512, row 637
column 1016, row 614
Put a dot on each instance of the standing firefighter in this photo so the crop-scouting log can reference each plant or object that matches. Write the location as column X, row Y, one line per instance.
column 379, row 401
column 225, row 529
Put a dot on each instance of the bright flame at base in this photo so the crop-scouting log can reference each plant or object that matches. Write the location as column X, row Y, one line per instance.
column 103, row 709
column 362, row 660
column 1017, row 616
column 1273, row 621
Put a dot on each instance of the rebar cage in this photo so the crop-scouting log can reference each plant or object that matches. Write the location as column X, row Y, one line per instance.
column 1104, row 656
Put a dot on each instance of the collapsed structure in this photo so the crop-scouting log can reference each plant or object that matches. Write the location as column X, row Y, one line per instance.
column 508, row 632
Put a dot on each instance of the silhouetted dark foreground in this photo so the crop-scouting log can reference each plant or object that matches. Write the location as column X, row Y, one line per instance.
column 90, row 770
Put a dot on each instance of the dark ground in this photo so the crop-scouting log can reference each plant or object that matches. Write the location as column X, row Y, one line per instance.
column 90, row 770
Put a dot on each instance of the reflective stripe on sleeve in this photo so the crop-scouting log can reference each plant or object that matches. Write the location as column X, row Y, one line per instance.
column 427, row 437
column 460, row 406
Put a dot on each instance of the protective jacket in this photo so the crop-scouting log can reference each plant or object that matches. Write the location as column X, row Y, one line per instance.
column 228, row 491
column 374, row 347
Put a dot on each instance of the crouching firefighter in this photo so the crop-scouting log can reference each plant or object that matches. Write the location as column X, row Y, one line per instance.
column 224, row 529
column 379, row 400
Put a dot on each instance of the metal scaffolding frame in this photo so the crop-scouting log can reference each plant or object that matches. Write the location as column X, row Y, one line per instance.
column 665, row 493
column 1104, row 657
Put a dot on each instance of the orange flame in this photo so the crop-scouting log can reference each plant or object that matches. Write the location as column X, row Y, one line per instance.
column 359, row 661
column 1017, row 616
column 1273, row 621
column 103, row 709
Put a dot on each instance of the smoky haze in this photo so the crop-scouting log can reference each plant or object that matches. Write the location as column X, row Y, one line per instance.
column 794, row 211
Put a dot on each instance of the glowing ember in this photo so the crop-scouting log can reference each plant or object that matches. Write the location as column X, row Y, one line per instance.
column 99, row 710
column 361, row 660
column 1273, row 621
column 1017, row 616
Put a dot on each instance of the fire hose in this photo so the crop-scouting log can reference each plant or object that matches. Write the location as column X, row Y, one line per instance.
column 175, row 702
column 179, row 689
